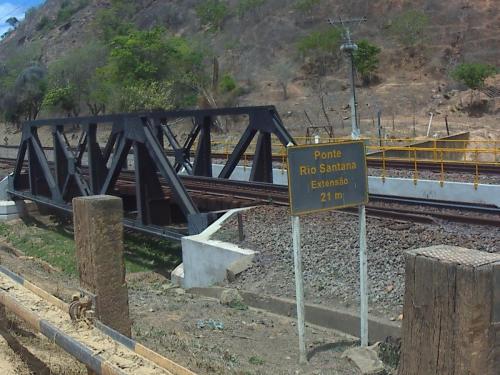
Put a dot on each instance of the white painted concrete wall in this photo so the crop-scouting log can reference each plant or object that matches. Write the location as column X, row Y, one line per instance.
column 205, row 261
column 430, row 189
column 405, row 187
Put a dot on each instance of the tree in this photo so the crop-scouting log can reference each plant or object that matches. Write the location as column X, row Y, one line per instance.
column 12, row 21
column 144, row 58
column 63, row 98
column 321, row 46
column 147, row 96
column 366, row 59
column 72, row 80
column 282, row 70
column 473, row 75
column 409, row 28
column 22, row 80
column 31, row 86
column 24, row 100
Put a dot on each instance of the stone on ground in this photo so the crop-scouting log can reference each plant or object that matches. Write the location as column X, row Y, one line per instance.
column 230, row 297
column 366, row 360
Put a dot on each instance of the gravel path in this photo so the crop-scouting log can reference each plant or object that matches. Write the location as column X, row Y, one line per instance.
column 330, row 255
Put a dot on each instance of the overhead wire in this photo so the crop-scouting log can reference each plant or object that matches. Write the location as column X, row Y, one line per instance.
column 12, row 13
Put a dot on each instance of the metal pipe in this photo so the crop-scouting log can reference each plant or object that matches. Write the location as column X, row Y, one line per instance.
column 86, row 356
column 72, row 346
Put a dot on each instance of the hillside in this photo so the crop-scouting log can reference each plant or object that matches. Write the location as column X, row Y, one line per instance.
column 258, row 46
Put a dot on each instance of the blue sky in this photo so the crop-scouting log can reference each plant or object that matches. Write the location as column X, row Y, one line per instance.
column 14, row 8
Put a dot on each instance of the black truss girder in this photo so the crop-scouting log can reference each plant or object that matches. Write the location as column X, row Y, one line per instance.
column 262, row 167
column 145, row 133
column 58, row 181
column 262, row 119
column 202, row 165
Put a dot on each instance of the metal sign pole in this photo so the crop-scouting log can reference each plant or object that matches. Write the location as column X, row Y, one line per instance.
column 363, row 276
column 299, row 287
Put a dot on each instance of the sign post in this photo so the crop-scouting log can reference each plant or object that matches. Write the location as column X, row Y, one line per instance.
column 299, row 287
column 324, row 177
column 363, row 277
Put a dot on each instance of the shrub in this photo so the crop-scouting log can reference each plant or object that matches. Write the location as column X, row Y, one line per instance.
column 366, row 59
column 321, row 47
column 45, row 24
column 227, row 83
column 30, row 13
column 305, row 5
column 409, row 27
column 245, row 6
column 212, row 13
column 68, row 9
column 473, row 74
column 147, row 96
column 6, row 34
column 320, row 41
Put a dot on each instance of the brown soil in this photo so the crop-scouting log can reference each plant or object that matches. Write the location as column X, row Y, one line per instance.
column 10, row 362
column 167, row 319
column 117, row 355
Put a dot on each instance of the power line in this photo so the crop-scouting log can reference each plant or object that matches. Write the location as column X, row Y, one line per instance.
column 11, row 13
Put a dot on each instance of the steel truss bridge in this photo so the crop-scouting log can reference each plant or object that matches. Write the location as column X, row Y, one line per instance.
column 153, row 192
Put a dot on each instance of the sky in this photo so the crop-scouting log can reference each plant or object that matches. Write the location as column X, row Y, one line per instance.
column 14, row 8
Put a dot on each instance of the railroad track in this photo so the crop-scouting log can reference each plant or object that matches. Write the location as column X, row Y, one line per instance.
column 397, row 208
column 429, row 212
column 428, row 165
column 390, row 163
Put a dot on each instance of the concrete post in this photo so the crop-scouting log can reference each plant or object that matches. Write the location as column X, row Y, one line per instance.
column 99, row 250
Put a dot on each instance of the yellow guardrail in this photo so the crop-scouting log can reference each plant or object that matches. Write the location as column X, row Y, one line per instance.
column 445, row 153
column 446, row 150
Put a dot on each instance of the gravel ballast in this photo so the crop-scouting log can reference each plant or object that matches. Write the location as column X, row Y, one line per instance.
column 330, row 255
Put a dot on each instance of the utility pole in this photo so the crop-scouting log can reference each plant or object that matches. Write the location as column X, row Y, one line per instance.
column 349, row 47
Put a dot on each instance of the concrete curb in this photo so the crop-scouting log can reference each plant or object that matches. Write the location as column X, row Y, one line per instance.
column 328, row 317
column 205, row 261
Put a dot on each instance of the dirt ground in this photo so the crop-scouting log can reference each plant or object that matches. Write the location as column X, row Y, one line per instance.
column 10, row 362
column 197, row 332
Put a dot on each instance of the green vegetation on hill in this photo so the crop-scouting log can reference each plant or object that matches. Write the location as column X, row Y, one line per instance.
column 409, row 28
column 163, row 55
column 212, row 13
column 69, row 8
column 246, row 6
column 321, row 47
column 122, row 70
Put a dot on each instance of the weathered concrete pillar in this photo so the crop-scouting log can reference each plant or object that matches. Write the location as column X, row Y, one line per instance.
column 451, row 322
column 99, row 250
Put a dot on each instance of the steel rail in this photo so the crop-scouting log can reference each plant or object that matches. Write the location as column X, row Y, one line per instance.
column 264, row 193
